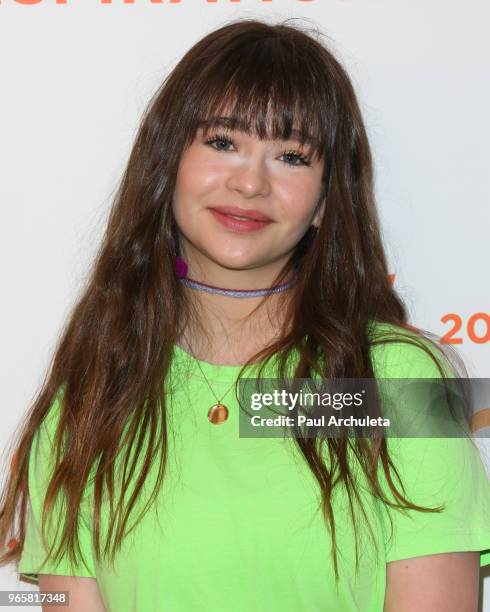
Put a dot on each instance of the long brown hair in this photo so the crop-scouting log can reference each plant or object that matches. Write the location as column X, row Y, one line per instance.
column 113, row 356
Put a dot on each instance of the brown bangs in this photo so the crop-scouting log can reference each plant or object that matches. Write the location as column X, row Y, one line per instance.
column 261, row 87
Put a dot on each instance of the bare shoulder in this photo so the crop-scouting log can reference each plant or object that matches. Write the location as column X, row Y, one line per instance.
column 84, row 592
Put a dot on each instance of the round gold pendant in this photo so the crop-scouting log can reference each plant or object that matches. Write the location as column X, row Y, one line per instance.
column 218, row 414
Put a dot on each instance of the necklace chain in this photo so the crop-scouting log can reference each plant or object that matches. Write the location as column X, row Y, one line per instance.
column 217, row 413
column 218, row 401
column 232, row 293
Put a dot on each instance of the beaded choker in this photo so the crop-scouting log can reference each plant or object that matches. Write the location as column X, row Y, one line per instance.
column 181, row 268
column 240, row 293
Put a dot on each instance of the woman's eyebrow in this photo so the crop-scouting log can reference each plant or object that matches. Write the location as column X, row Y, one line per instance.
column 229, row 123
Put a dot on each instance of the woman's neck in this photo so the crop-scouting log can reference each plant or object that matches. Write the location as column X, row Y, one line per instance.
column 229, row 338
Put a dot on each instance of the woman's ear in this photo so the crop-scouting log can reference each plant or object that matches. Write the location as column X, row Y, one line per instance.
column 319, row 211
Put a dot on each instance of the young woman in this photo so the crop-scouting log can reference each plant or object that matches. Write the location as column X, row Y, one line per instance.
column 243, row 243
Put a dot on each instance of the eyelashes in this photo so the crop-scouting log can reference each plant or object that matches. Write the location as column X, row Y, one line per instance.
column 223, row 138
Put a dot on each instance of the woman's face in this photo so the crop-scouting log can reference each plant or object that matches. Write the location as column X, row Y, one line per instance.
column 278, row 179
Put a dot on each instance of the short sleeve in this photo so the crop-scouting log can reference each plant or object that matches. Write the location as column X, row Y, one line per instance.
column 446, row 472
column 34, row 550
column 435, row 472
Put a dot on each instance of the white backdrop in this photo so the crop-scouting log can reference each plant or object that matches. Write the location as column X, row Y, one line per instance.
column 75, row 78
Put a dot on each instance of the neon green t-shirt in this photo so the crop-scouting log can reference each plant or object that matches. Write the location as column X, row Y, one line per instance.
column 237, row 525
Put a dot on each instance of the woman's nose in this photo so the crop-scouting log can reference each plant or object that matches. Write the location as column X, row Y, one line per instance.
column 250, row 178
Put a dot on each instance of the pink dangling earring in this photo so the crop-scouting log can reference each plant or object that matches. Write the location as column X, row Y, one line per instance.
column 180, row 267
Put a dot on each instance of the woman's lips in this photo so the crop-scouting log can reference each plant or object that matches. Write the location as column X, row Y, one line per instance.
column 240, row 225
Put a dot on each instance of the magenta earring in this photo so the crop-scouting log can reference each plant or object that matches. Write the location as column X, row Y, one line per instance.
column 180, row 267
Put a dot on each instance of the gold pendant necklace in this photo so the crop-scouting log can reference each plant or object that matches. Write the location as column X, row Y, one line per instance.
column 218, row 413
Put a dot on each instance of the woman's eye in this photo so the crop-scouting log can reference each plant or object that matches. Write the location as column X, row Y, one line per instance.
column 294, row 156
column 303, row 161
column 219, row 139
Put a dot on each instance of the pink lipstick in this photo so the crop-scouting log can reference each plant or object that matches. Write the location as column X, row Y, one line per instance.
column 240, row 219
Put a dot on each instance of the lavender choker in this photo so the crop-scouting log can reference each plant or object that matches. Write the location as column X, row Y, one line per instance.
column 181, row 269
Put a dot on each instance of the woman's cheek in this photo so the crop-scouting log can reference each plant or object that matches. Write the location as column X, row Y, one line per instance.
column 299, row 210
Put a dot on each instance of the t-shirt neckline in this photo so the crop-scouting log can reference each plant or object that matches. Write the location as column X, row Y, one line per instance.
column 212, row 371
